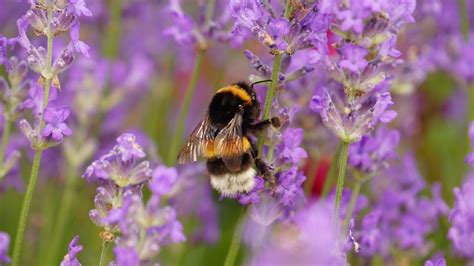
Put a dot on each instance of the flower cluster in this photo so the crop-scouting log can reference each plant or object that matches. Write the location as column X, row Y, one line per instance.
column 356, row 97
column 298, row 27
column 401, row 217
column 119, row 174
column 294, row 29
column 120, row 208
column 49, row 18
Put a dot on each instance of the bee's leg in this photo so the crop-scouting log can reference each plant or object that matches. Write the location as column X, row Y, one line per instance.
column 262, row 125
column 263, row 169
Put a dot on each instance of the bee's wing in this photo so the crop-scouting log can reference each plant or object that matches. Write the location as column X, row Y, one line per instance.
column 197, row 141
column 228, row 144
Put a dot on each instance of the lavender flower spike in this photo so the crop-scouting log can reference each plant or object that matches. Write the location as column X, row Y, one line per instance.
column 70, row 259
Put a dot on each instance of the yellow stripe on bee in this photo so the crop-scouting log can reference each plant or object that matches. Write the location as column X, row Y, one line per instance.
column 245, row 144
column 209, row 151
column 237, row 91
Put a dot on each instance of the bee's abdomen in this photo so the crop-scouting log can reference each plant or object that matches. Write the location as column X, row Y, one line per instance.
column 231, row 183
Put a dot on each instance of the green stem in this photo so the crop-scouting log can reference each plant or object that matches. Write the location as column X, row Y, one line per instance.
column 332, row 172
column 464, row 17
column 288, row 9
column 210, row 11
column 25, row 208
column 340, row 178
column 67, row 198
column 350, row 210
column 269, row 97
column 112, row 39
column 178, row 134
column 102, row 253
column 235, row 243
column 6, row 135
column 37, row 159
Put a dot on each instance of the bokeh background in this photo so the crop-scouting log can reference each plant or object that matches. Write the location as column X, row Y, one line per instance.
column 135, row 81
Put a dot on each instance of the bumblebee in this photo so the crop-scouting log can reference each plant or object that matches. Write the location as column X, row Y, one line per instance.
column 223, row 138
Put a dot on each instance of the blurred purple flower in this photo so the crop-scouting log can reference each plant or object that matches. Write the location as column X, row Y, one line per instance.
column 461, row 232
column 436, row 262
column 310, row 239
column 262, row 215
column 55, row 128
column 125, row 256
column 5, row 45
column 70, row 259
column 192, row 196
column 212, row 26
column 163, row 180
column 401, row 217
column 183, row 28
column 80, row 8
column 145, row 228
column 4, row 245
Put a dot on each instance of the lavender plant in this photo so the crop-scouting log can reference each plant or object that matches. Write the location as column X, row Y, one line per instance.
column 357, row 98
column 388, row 82
column 120, row 207
column 48, row 19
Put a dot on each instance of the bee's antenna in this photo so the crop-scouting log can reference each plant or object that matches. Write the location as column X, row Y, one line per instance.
column 260, row 81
